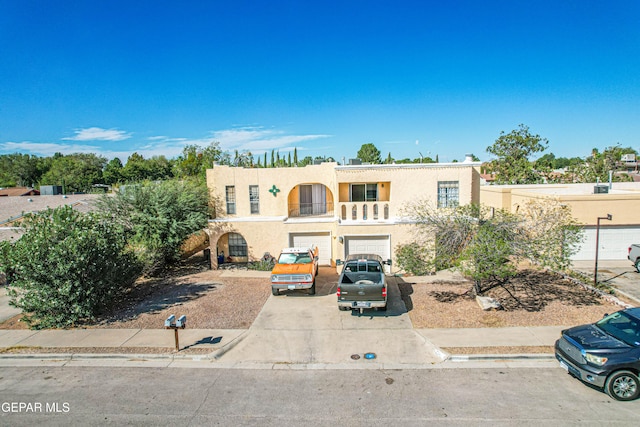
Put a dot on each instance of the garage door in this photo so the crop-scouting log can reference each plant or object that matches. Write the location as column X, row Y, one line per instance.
column 613, row 241
column 378, row 245
column 321, row 240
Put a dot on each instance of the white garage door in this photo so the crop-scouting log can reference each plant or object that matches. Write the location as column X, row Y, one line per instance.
column 378, row 245
column 613, row 241
column 321, row 240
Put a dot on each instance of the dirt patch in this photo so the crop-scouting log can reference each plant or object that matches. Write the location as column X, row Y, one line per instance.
column 211, row 300
column 533, row 298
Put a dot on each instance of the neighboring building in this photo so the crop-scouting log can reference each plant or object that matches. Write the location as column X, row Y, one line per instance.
column 587, row 202
column 18, row 191
column 342, row 209
column 12, row 209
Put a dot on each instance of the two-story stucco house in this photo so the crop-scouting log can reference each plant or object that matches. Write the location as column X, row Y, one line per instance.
column 343, row 209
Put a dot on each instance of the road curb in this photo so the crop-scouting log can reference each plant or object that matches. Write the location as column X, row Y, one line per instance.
column 485, row 357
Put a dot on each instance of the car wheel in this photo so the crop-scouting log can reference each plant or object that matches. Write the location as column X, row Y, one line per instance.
column 622, row 385
column 312, row 289
column 638, row 265
column 275, row 292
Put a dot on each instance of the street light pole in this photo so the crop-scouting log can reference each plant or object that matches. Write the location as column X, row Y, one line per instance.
column 595, row 270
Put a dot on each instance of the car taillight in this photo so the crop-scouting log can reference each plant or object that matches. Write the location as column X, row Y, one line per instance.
column 629, row 250
column 338, row 292
column 384, row 291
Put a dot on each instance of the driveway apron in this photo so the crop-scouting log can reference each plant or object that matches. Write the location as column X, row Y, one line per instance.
column 294, row 328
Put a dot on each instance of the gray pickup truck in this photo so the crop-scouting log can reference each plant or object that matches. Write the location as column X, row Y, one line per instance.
column 634, row 256
column 362, row 283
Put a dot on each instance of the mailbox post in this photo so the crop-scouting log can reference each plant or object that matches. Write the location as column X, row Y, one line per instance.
column 172, row 323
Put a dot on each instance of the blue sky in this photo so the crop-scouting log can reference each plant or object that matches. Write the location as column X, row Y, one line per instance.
column 412, row 77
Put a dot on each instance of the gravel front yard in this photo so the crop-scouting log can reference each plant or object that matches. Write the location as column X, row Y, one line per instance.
column 211, row 300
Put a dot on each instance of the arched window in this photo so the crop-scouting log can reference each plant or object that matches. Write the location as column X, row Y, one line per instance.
column 237, row 245
column 364, row 211
column 354, row 212
column 386, row 211
column 344, row 211
column 375, row 211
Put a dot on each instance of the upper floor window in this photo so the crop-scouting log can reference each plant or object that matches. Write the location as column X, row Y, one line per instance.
column 364, row 192
column 254, row 199
column 230, row 192
column 448, row 194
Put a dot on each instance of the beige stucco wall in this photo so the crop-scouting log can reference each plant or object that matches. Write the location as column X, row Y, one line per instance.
column 622, row 204
column 270, row 230
column 284, row 179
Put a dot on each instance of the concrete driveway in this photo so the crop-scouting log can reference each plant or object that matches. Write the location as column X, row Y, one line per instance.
column 295, row 328
column 620, row 274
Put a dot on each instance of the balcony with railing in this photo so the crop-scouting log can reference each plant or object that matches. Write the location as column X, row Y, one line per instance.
column 364, row 211
column 297, row 210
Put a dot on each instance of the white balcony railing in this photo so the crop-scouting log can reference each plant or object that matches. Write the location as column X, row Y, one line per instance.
column 363, row 211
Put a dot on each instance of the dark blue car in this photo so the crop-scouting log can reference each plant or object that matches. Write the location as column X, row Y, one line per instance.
column 605, row 354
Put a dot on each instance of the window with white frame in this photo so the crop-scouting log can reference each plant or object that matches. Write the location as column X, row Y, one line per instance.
column 230, row 191
column 448, row 194
column 254, row 199
column 364, row 192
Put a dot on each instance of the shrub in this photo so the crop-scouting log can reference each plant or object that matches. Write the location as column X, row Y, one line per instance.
column 412, row 259
column 67, row 267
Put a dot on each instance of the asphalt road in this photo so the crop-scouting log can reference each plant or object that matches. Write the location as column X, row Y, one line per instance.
column 149, row 396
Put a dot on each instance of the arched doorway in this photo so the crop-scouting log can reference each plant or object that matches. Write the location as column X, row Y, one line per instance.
column 232, row 247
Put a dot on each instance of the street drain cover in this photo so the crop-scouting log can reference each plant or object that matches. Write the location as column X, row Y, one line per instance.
column 355, row 356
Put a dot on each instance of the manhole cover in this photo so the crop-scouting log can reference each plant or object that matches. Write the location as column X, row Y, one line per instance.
column 355, row 356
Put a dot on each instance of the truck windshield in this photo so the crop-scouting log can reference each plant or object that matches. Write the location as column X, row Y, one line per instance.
column 294, row 259
column 622, row 326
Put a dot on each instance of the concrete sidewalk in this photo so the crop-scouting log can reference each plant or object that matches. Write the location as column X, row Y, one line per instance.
column 303, row 332
column 393, row 348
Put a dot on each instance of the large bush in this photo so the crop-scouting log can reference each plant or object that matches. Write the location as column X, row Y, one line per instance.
column 159, row 217
column 413, row 259
column 67, row 267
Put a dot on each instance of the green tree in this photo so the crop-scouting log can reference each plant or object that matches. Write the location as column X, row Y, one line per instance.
column 136, row 169
column 159, row 167
column 295, row 156
column 67, row 268
column 597, row 166
column 20, row 170
column 195, row 160
column 159, row 217
column 368, row 153
column 389, row 159
column 112, row 173
column 487, row 244
column 75, row 172
column 513, row 151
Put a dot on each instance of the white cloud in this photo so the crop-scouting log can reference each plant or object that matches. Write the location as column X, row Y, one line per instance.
column 99, row 134
column 45, row 148
column 256, row 139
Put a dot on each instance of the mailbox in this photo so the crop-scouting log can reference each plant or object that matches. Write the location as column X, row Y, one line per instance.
column 170, row 322
column 182, row 322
